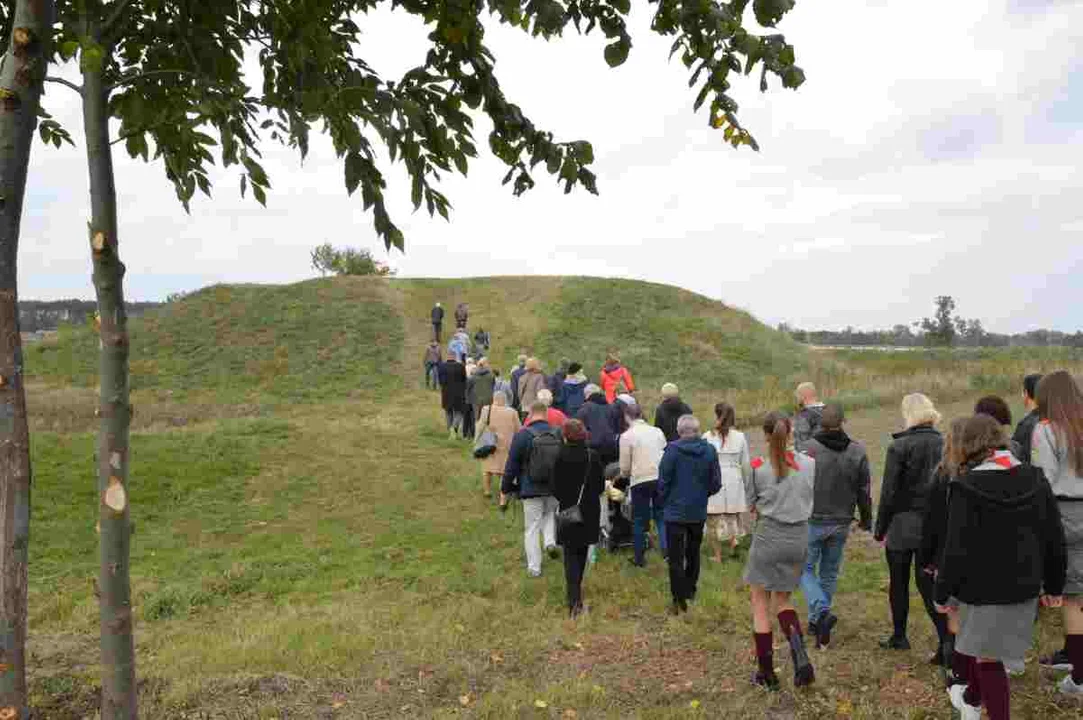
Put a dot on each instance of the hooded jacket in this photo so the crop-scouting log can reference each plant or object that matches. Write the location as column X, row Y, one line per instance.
column 806, row 424
column 912, row 459
column 595, row 415
column 612, row 377
column 687, row 476
column 1005, row 542
column 843, row 479
column 480, row 387
column 571, row 394
column 667, row 414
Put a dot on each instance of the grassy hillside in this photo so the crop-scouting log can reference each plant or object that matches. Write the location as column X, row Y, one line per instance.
column 312, row 340
column 310, row 544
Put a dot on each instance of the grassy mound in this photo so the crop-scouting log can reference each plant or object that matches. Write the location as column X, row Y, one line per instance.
column 308, row 341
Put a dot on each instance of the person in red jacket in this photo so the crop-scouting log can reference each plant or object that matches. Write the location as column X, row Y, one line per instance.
column 615, row 375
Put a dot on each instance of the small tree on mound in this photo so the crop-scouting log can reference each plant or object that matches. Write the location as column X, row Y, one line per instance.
column 348, row 261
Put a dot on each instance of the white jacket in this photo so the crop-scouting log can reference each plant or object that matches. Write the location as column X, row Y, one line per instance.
column 641, row 448
column 734, row 462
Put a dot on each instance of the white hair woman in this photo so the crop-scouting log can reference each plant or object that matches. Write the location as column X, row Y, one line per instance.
column 504, row 422
column 909, row 470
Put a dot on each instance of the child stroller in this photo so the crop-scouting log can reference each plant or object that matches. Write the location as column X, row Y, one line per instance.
column 616, row 511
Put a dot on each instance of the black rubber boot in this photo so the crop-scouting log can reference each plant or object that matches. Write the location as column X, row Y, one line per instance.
column 803, row 674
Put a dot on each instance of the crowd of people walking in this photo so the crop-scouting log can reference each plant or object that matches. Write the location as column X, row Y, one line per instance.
column 989, row 522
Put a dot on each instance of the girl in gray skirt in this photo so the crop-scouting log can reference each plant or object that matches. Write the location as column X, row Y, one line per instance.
column 779, row 492
column 1003, row 549
column 1057, row 448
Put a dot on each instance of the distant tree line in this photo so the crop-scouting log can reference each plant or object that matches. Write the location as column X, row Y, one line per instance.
column 944, row 329
column 39, row 315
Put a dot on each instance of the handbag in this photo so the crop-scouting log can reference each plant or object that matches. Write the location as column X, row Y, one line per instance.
column 573, row 515
column 486, row 442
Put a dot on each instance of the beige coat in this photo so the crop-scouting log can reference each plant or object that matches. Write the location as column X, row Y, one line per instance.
column 529, row 385
column 505, row 423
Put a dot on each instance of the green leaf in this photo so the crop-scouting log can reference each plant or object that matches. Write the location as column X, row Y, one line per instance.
column 68, row 49
column 354, row 166
column 622, row 6
column 769, row 12
column 260, row 195
column 616, row 53
column 90, row 60
column 793, row 77
column 584, row 152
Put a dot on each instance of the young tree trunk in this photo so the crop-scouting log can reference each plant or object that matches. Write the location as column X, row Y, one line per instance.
column 21, row 79
column 117, row 644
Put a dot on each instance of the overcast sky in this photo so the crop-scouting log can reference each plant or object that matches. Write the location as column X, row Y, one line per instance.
column 934, row 149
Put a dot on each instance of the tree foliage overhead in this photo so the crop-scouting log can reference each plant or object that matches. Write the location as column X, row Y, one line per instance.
column 176, row 69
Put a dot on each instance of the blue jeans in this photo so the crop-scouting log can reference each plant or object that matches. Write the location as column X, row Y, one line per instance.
column 645, row 505
column 826, row 542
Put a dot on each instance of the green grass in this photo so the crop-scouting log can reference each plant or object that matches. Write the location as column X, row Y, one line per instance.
column 333, row 557
column 311, row 341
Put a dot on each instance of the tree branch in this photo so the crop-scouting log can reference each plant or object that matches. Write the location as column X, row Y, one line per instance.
column 62, row 81
column 150, row 73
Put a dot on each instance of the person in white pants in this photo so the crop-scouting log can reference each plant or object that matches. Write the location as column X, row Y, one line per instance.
column 539, row 505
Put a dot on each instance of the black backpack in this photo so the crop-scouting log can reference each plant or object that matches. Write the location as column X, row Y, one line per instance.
column 542, row 462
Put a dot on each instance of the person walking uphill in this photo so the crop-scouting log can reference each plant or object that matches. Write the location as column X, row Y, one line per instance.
column 596, row 416
column 437, row 322
column 780, row 494
column 504, row 422
column 687, row 476
column 724, row 509
column 432, row 362
column 1024, row 432
column 909, row 470
column 572, row 394
column 462, row 314
column 671, row 409
column 453, row 394
column 1004, row 547
column 1058, row 452
column 530, row 382
column 529, row 473
column 809, row 411
column 641, row 449
column 615, row 379
column 577, row 481
column 480, row 387
column 842, row 485
column 516, row 373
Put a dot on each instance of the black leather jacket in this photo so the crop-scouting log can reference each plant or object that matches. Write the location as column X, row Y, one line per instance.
column 912, row 459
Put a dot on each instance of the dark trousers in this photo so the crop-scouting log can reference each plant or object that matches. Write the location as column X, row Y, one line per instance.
column 898, row 564
column 468, row 422
column 436, row 328
column 683, row 541
column 646, row 507
column 431, row 377
column 575, row 563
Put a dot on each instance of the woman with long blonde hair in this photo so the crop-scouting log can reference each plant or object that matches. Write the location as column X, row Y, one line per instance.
column 912, row 459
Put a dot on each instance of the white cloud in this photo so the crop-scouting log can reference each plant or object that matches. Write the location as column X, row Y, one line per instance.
column 917, row 159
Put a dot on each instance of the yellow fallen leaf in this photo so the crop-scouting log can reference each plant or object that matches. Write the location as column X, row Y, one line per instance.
column 694, row 704
column 570, row 714
column 338, row 704
column 541, row 704
column 598, row 689
column 465, row 700
column 460, row 627
column 578, row 646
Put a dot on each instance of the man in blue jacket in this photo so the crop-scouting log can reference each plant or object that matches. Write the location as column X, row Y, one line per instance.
column 688, row 475
column 539, row 505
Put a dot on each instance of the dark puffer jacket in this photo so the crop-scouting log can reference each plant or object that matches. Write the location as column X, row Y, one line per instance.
column 912, row 459
column 596, row 415
column 667, row 415
column 688, row 475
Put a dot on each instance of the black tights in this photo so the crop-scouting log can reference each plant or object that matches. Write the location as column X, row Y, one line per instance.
column 898, row 563
column 575, row 563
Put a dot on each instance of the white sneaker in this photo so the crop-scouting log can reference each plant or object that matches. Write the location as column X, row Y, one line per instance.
column 966, row 712
column 1068, row 687
column 1015, row 668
